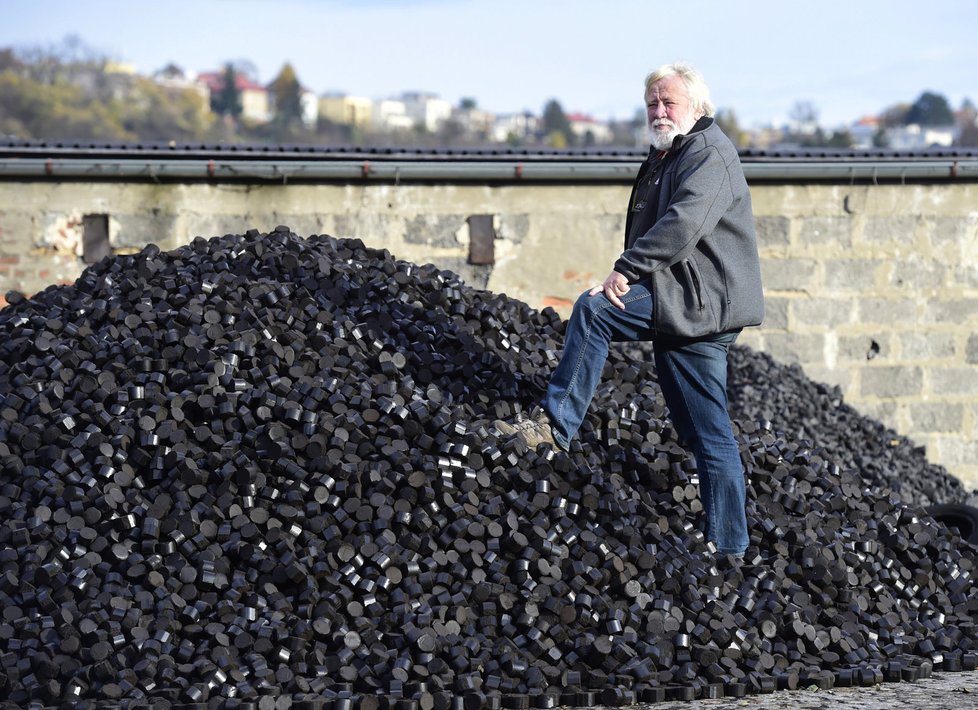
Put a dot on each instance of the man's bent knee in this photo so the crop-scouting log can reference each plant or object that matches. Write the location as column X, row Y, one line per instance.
column 588, row 305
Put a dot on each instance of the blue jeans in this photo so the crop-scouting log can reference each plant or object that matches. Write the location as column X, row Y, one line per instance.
column 693, row 378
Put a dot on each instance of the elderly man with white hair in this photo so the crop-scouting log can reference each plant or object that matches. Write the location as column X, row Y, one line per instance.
column 688, row 280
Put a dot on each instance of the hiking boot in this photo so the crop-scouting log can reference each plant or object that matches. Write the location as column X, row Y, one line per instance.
column 532, row 431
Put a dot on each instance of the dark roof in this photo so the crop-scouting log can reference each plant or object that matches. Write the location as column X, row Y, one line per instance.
column 67, row 148
column 64, row 148
column 797, row 153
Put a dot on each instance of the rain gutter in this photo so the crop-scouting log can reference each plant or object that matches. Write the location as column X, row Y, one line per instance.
column 495, row 169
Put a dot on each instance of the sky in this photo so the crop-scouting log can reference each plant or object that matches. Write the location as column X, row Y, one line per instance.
column 847, row 58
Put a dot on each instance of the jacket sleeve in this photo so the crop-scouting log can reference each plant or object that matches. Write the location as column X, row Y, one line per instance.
column 702, row 196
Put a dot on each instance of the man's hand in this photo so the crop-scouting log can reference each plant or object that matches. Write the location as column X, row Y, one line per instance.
column 614, row 287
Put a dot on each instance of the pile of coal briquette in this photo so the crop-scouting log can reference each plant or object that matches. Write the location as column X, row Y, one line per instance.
column 260, row 471
column 765, row 390
column 778, row 395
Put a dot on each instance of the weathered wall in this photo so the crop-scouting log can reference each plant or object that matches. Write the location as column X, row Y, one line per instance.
column 873, row 288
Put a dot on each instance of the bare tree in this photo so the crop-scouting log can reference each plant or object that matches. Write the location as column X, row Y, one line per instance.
column 805, row 115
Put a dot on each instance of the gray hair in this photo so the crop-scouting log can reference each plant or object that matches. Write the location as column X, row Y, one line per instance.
column 699, row 92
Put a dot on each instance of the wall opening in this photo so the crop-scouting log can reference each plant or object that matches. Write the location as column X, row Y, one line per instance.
column 95, row 238
column 482, row 250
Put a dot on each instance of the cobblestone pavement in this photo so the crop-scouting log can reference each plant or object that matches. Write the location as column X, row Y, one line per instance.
column 942, row 691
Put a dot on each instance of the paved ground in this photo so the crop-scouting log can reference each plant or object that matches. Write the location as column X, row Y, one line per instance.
column 942, row 691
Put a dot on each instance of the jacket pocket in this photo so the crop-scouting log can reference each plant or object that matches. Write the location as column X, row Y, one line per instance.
column 694, row 282
column 681, row 302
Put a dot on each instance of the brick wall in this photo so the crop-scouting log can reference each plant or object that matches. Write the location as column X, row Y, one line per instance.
column 871, row 287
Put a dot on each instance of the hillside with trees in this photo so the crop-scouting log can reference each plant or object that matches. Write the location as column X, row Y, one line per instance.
column 71, row 93
column 47, row 97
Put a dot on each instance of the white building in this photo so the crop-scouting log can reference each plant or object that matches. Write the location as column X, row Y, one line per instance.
column 391, row 115
column 582, row 125
column 518, row 126
column 173, row 77
column 427, row 110
column 474, row 121
column 864, row 132
column 915, row 136
column 309, row 103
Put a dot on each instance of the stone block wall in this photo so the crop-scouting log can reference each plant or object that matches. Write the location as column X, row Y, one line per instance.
column 870, row 287
column 875, row 288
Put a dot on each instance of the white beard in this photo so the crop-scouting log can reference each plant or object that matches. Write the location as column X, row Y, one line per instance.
column 662, row 140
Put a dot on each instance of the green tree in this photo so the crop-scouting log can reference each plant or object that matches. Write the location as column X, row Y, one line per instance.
column 9, row 60
column 557, row 139
column 556, row 126
column 158, row 113
column 930, row 109
column 287, row 97
column 171, row 71
column 71, row 61
column 840, row 139
column 76, row 99
column 895, row 115
column 227, row 101
column 880, row 139
column 727, row 121
column 29, row 109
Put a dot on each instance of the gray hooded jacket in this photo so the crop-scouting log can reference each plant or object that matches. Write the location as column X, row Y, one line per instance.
column 698, row 251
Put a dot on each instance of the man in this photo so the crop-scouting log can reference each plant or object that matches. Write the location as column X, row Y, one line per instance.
column 688, row 280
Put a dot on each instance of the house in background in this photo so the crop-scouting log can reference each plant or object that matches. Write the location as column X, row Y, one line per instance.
column 474, row 122
column 588, row 130
column 346, row 110
column 391, row 115
column 519, row 127
column 173, row 77
column 864, row 131
column 426, row 109
column 309, row 103
column 914, row 135
column 255, row 104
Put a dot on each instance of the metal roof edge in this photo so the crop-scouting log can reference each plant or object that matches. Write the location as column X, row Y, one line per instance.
column 31, row 160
